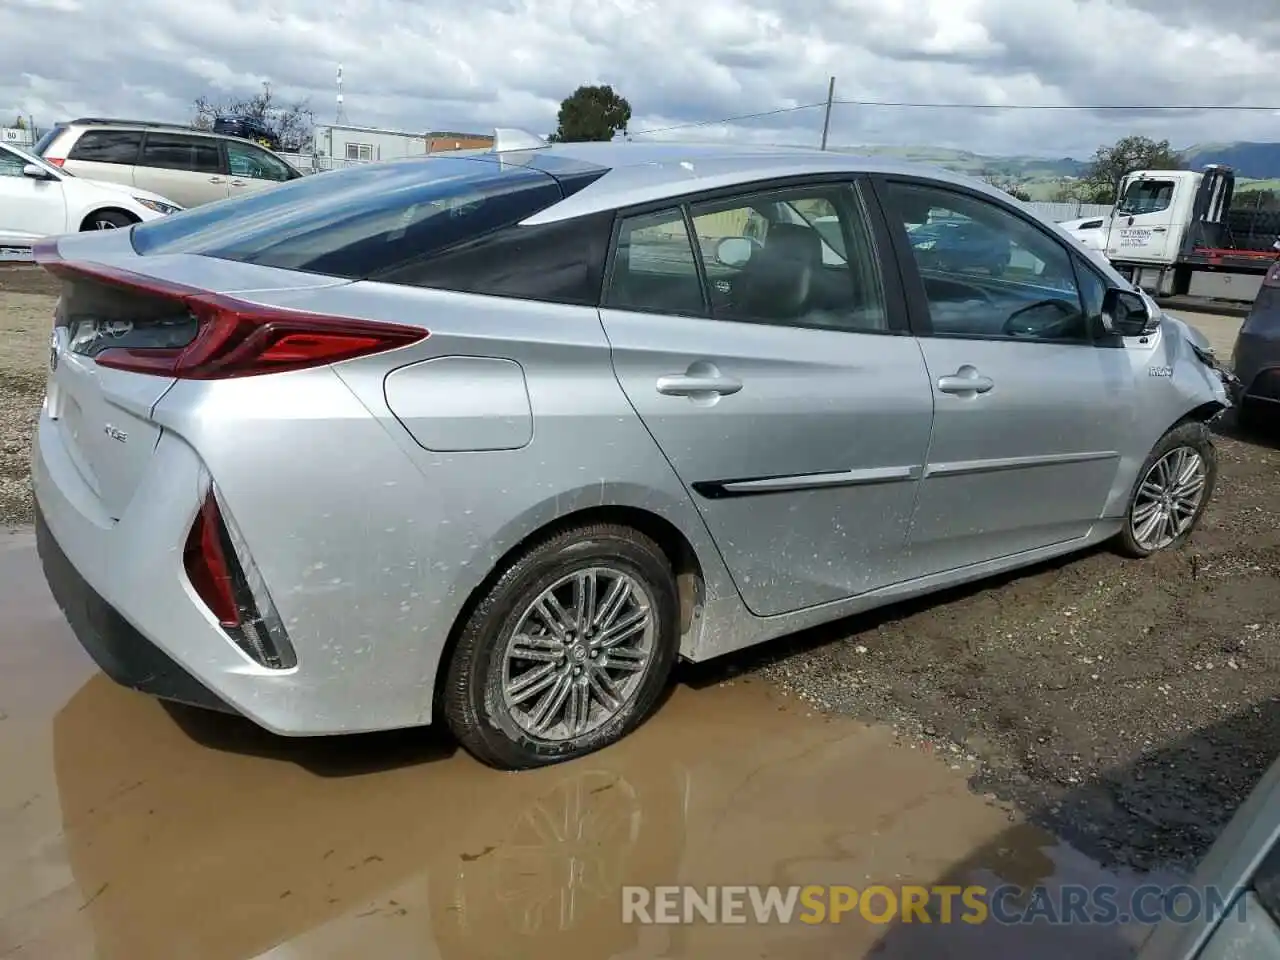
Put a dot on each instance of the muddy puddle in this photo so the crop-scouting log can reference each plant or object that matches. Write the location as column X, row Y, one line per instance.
column 131, row 831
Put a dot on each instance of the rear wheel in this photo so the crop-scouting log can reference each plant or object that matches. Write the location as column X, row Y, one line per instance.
column 567, row 652
column 1174, row 487
column 107, row 220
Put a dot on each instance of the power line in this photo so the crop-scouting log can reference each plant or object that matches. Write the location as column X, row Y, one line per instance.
column 1055, row 106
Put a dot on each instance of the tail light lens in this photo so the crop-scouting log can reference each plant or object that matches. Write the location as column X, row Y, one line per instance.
column 1272, row 279
column 56, row 161
column 227, row 582
column 205, row 559
column 233, row 338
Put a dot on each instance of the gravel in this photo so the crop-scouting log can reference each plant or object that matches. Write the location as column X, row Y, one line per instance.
column 1127, row 706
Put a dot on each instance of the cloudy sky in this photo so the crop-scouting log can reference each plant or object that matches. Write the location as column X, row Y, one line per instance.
column 474, row 64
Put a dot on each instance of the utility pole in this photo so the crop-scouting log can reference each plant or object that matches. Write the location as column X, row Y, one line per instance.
column 826, row 119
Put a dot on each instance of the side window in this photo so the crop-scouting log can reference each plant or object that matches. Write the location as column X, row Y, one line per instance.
column 246, row 161
column 654, row 267
column 107, row 146
column 1146, row 196
column 987, row 272
column 11, row 164
column 176, row 152
column 801, row 257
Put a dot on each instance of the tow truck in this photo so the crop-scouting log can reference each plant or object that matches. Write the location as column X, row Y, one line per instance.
column 1174, row 234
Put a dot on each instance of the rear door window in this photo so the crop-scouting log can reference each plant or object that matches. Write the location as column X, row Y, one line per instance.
column 175, row 152
column 107, row 146
column 654, row 266
column 358, row 222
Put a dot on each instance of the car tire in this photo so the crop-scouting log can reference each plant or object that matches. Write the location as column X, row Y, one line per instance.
column 107, row 220
column 489, row 702
column 1158, row 477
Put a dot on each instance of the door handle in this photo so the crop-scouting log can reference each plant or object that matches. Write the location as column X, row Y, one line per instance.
column 237, row 183
column 683, row 385
column 1158, row 229
column 966, row 380
column 217, row 180
column 700, row 380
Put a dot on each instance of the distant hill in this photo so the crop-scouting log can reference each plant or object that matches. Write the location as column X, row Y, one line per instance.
column 977, row 164
column 1042, row 176
column 1257, row 161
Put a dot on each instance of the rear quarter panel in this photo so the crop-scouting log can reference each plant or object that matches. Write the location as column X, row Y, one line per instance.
column 371, row 544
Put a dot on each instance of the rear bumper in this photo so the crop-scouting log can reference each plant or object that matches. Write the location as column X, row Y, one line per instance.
column 124, row 591
column 123, row 654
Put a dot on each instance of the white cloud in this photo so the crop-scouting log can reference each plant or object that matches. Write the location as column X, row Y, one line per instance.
column 480, row 63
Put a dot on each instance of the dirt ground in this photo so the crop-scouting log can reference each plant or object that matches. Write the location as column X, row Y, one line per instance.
column 1125, row 706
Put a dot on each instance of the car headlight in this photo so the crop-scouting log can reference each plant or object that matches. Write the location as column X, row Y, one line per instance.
column 157, row 206
column 925, row 244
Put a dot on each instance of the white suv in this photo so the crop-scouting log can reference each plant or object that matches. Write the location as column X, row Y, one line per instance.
column 191, row 166
column 39, row 200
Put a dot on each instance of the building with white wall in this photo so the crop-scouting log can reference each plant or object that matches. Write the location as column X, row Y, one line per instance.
column 367, row 144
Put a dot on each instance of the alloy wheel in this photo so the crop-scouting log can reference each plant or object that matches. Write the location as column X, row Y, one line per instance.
column 1168, row 498
column 578, row 653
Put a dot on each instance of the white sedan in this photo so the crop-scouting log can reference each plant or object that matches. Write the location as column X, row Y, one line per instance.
column 39, row 200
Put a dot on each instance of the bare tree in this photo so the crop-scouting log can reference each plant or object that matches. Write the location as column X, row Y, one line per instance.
column 293, row 123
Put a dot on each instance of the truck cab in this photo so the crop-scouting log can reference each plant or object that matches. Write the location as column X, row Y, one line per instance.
column 1174, row 233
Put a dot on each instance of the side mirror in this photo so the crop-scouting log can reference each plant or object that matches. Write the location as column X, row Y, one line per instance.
column 734, row 251
column 1125, row 313
column 36, row 172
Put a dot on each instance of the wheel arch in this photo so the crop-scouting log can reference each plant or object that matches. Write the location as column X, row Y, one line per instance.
column 84, row 221
column 1204, row 413
column 680, row 552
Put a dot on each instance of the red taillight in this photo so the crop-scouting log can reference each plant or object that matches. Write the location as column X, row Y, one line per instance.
column 234, row 338
column 56, row 161
column 205, row 560
column 1272, row 279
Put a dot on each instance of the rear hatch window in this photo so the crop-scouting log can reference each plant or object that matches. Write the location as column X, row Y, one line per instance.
column 352, row 223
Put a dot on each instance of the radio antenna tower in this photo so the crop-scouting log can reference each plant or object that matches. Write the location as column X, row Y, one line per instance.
column 342, row 113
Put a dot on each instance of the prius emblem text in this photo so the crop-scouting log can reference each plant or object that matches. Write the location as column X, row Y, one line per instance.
column 115, row 434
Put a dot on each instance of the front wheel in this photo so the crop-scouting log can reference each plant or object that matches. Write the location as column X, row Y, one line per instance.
column 567, row 652
column 107, row 220
column 1174, row 487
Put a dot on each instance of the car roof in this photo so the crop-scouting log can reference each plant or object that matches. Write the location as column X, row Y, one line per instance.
column 87, row 123
column 640, row 173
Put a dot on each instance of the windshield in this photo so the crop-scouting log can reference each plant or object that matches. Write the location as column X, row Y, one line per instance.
column 39, row 161
column 1146, row 196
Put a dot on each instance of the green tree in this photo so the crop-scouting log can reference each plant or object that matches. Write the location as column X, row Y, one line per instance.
column 20, row 124
column 294, row 123
column 1111, row 163
column 591, row 113
column 1083, row 191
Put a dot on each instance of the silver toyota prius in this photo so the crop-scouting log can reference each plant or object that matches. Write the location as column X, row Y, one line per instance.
column 493, row 439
